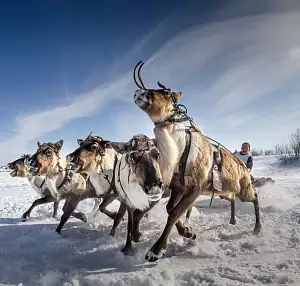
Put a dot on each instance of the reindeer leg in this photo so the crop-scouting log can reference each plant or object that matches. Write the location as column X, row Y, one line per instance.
column 70, row 206
column 188, row 215
column 96, row 207
column 257, row 227
column 128, row 250
column 232, row 217
column 106, row 201
column 159, row 248
column 37, row 202
column 176, row 196
column 79, row 215
column 231, row 199
column 137, row 216
column 118, row 218
column 254, row 199
column 55, row 207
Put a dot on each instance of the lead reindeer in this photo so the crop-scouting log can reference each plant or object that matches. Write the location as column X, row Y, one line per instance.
column 128, row 172
column 190, row 164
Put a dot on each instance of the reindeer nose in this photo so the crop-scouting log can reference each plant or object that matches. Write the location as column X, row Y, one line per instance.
column 69, row 158
column 159, row 183
column 31, row 162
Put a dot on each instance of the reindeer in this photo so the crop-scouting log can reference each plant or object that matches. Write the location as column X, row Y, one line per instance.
column 61, row 182
column 191, row 165
column 19, row 169
column 129, row 170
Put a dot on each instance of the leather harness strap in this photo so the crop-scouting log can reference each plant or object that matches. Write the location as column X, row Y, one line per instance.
column 67, row 178
column 217, row 164
column 112, row 186
column 42, row 184
column 184, row 156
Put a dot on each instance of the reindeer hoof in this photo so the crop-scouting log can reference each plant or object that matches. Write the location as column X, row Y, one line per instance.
column 58, row 231
column 127, row 250
column 82, row 217
column 188, row 233
column 152, row 256
column 232, row 221
column 257, row 229
column 25, row 217
column 136, row 237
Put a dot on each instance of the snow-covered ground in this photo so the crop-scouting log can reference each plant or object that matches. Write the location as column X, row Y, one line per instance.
column 31, row 253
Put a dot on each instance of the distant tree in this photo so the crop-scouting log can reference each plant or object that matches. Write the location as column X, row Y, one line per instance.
column 279, row 149
column 256, row 152
column 295, row 142
column 269, row 152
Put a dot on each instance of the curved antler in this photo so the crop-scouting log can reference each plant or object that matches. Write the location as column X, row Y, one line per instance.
column 141, row 84
column 162, row 86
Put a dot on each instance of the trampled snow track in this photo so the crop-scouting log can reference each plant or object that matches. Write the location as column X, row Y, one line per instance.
column 31, row 253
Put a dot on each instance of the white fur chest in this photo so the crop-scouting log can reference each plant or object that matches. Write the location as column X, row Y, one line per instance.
column 100, row 184
column 51, row 183
column 35, row 183
column 130, row 192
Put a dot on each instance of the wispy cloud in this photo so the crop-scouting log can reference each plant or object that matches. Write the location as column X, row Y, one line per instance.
column 226, row 69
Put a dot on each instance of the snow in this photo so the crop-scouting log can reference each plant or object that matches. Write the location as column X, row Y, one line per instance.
column 31, row 253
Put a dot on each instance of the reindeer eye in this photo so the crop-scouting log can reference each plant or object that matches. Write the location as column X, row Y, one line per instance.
column 167, row 92
column 48, row 153
column 94, row 147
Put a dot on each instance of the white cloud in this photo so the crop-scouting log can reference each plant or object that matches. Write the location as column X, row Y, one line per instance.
column 225, row 69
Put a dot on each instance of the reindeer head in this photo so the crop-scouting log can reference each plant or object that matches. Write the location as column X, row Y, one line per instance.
column 18, row 167
column 137, row 142
column 46, row 159
column 157, row 103
column 142, row 156
column 88, row 156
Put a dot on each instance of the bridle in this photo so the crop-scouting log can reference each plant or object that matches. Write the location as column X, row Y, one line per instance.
column 179, row 110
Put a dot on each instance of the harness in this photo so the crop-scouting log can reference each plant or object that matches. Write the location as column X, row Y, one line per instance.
column 112, row 186
column 180, row 115
column 42, row 184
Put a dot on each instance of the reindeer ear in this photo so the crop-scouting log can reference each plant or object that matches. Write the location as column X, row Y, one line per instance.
column 106, row 144
column 39, row 144
column 177, row 95
column 120, row 147
column 59, row 144
column 79, row 141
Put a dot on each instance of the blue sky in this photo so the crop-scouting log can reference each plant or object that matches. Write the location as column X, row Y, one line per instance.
column 66, row 68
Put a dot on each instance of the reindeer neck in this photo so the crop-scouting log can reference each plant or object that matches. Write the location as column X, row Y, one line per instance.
column 59, row 170
column 128, row 188
column 30, row 178
column 170, row 143
column 108, row 160
column 102, row 177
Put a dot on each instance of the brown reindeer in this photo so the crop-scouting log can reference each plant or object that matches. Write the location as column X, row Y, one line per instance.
column 190, row 164
column 61, row 182
column 19, row 169
column 126, row 171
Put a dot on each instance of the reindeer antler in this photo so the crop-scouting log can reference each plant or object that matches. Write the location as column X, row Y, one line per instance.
column 141, row 84
column 25, row 155
column 162, row 86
